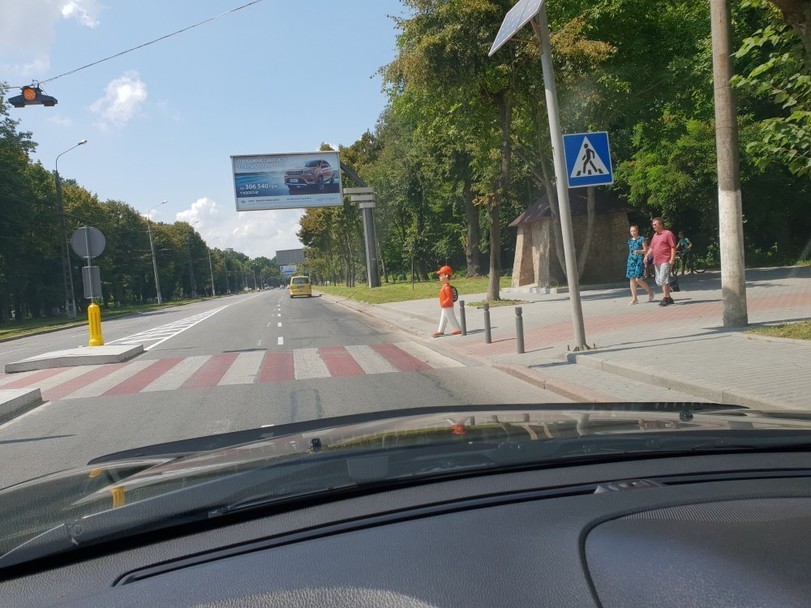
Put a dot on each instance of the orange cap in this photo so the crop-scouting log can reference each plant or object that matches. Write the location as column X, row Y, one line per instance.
column 445, row 270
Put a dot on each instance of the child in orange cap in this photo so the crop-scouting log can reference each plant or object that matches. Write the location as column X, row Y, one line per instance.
column 446, row 303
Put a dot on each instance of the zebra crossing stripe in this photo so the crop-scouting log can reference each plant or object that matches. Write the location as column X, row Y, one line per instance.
column 401, row 359
column 211, row 372
column 276, row 367
column 369, row 360
column 143, row 378
column 339, row 361
column 229, row 369
column 178, row 375
column 244, row 370
column 34, row 378
column 308, row 365
column 118, row 376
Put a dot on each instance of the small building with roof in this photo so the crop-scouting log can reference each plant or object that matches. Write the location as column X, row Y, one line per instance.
column 539, row 260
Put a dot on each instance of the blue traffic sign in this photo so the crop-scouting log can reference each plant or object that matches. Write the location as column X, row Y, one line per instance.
column 588, row 159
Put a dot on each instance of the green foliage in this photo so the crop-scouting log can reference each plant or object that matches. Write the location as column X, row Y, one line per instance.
column 32, row 242
column 775, row 73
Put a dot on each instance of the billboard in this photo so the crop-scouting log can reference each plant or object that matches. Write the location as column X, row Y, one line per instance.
column 290, row 256
column 287, row 181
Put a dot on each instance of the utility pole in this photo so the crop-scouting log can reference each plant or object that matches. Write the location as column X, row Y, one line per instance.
column 67, row 273
column 211, row 270
column 730, row 212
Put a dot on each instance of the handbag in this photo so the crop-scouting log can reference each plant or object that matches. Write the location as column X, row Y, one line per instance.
column 674, row 284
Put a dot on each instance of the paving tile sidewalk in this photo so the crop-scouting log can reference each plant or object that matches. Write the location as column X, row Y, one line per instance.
column 643, row 352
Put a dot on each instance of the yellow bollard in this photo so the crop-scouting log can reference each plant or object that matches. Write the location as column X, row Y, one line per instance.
column 94, row 324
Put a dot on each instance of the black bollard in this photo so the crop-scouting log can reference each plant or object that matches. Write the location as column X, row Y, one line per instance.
column 487, row 337
column 519, row 330
column 462, row 319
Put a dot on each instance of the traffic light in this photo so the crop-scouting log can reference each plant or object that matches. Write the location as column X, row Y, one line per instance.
column 32, row 96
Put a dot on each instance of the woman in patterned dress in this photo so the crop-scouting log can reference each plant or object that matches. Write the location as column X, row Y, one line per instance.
column 635, row 268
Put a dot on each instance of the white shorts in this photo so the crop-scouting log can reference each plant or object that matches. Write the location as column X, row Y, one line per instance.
column 662, row 273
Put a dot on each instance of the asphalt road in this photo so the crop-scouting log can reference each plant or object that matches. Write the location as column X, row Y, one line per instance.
column 232, row 364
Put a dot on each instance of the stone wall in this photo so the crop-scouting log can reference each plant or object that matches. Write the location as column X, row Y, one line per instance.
column 536, row 261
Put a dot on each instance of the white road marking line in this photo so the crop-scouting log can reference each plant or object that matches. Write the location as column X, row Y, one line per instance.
column 103, row 385
column 308, row 364
column 280, row 342
column 69, row 374
column 244, row 369
column 432, row 358
column 370, row 360
column 170, row 330
column 279, row 324
column 175, row 377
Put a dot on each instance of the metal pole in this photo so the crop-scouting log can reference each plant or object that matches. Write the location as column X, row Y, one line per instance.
column 193, row 291
column 541, row 27
column 67, row 274
column 372, row 273
column 211, row 270
column 462, row 318
column 519, row 329
column 154, row 261
column 730, row 213
column 488, row 338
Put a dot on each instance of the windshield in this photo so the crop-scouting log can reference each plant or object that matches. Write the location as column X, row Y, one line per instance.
column 574, row 202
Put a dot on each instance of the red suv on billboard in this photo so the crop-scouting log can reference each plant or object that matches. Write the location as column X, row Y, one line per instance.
column 316, row 173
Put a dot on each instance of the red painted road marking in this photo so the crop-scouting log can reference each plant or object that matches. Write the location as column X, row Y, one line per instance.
column 276, row 367
column 143, row 378
column 401, row 359
column 339, row 362
column 34, row 378
column 66, row 388
column 212, row 371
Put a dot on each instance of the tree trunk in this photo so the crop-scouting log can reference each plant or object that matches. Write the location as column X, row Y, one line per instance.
column 493, row 284
column 584, row 249
column 500, row 191
column 474, row 234
column 797, row 14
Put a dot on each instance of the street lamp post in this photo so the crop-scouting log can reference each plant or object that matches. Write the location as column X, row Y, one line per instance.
column 154, row 259
column 67, row 275
column 211, row 269
column 191, row 266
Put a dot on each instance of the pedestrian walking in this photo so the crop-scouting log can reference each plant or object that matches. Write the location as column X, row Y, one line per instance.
column 663, row 251
column 446, row 304
column 635, row 268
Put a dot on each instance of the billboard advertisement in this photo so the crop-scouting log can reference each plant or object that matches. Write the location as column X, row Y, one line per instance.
column 290, row 256
column 287, row 181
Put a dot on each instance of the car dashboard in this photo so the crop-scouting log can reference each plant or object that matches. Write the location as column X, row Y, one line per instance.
column 697, row 530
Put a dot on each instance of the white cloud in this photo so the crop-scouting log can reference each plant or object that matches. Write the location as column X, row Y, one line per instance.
column 254, row 233
column 83, row 11
column 27, row 32
column 122, row 101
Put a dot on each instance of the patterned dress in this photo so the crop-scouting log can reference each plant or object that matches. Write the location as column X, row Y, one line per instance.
column 635, row 269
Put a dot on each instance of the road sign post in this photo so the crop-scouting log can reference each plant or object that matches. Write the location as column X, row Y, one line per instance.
column 89, row 242
column 534, row 11
column 588, row 159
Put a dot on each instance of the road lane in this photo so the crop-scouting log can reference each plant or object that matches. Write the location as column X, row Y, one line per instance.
column 211, row 377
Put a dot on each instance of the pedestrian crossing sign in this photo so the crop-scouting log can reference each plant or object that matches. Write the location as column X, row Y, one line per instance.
column 588, row 159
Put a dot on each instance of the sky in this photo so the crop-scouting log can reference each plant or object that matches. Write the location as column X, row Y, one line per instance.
column 163, row 121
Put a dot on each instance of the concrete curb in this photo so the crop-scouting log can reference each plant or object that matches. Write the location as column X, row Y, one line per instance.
column 14, row 401
column 95, row 355
column 560, row 387
column 717, row 395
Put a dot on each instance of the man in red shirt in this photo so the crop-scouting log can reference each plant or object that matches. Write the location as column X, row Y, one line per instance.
column 446, row 303
column 663, row 251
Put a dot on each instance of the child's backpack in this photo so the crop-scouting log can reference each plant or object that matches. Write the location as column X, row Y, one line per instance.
column 455, row 293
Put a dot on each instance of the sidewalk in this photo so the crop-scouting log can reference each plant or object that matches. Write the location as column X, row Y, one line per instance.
column 643, row 352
